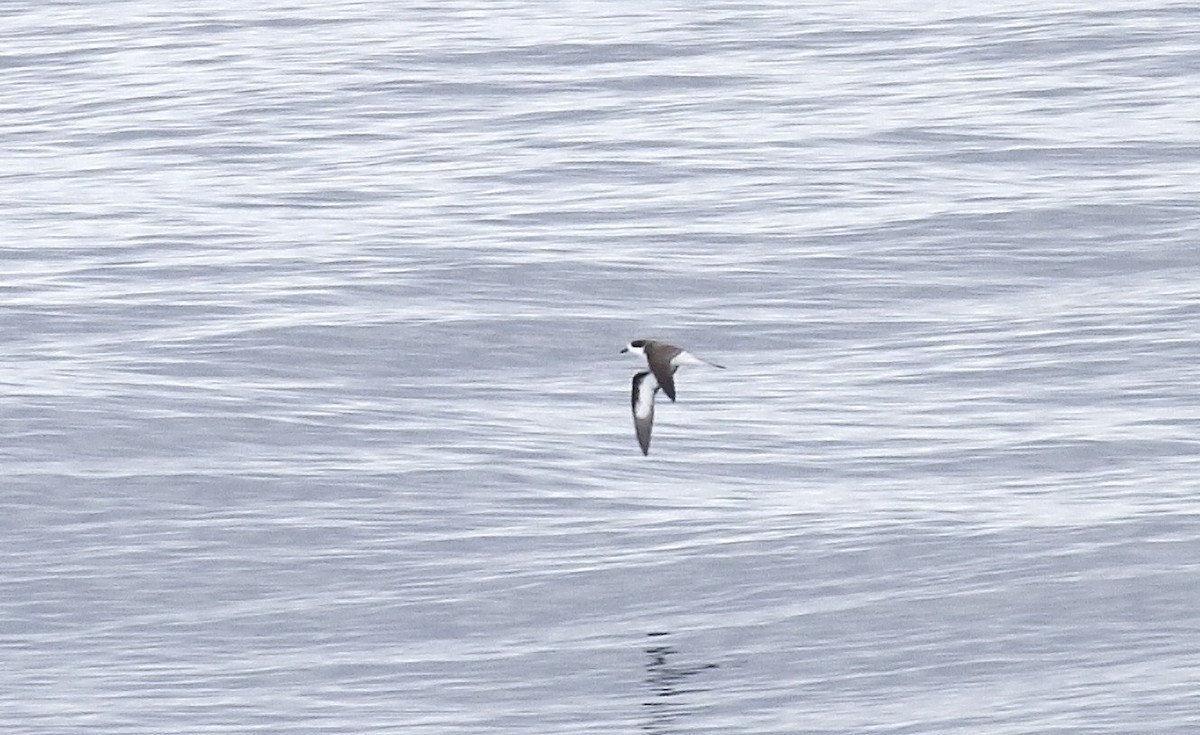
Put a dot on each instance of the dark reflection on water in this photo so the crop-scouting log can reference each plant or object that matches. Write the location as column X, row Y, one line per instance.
column 668, row 682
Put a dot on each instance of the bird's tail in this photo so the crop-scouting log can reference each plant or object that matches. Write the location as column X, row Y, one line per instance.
column 690, row 358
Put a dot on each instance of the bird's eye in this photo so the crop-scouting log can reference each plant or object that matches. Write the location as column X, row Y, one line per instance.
column 638, row 343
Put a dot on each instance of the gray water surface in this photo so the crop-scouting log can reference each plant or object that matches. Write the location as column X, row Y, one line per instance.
column 312, row 417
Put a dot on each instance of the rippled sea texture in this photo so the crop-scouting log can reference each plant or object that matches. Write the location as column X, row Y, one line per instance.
column 312, row 417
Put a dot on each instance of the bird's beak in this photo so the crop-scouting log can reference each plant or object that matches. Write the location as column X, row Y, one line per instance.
column 624, row 350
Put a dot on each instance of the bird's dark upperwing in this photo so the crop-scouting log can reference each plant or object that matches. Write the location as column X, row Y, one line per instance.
column 659, row 357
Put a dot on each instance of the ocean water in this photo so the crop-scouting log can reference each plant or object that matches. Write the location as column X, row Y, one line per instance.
column 312, row 417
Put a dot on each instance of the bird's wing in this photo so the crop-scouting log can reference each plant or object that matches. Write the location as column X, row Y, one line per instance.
column 660, row 356
column 645, row 385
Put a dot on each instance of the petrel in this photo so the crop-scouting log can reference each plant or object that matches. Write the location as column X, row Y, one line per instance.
column 664, row 359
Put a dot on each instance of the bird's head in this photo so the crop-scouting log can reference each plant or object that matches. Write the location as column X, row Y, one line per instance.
column 636, row 347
